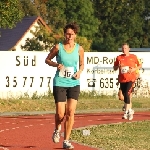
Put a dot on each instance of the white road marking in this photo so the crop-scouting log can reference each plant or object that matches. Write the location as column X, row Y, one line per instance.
column 27, row 126
column 90, row 120
column 47, row 119
column 6, row 129
column 3, row 148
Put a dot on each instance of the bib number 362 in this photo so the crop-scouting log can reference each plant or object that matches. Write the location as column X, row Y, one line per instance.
column 66, row 72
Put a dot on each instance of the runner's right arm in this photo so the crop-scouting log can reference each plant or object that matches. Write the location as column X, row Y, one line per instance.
column 51, row 55
column 116, row 64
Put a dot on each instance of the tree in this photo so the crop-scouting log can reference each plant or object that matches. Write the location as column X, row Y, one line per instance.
column 85, row 43
column 82, row 12
column 146, row 27
column 29, row 8
column 10, row 13
column 43, row 40
column 56, row 14
column 66, row 11
column 51, row 11
column 35, row 8
column 120, row 21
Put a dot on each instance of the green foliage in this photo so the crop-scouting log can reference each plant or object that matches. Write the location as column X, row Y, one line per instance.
column 85, row 43
column 146, row 27
column 10, row 13
column 56, row 17
column 35, row 8
column 82, row 12
column 66, row 11
column 104, row 24
column 29, row 8
column 121, row 21
column 43, row 40
column 32, row 45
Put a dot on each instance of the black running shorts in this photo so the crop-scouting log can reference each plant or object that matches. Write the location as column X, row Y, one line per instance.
column 61, row 94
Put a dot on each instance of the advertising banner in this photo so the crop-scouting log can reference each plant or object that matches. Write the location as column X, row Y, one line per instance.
column 25, row 73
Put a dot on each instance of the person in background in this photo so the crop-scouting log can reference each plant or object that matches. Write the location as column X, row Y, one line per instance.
column 120, row 95
column 127, row 64
column 66, row 83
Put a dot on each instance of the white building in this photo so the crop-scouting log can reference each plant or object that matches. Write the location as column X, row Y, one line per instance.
column 12, row 39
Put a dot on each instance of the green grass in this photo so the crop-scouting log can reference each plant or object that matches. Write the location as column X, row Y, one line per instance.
column 125, row 136
column 87, row 101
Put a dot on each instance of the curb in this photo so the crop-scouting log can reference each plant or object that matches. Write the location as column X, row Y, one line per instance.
column 77, row 112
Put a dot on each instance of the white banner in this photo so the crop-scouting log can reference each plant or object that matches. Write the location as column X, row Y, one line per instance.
column 99, row 76
column 25, row 73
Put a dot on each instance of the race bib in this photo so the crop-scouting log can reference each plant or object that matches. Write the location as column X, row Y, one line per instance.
column 66, row 72
column 124, row 69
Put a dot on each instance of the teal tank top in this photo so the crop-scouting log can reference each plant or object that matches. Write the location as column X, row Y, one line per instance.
column 63, row 78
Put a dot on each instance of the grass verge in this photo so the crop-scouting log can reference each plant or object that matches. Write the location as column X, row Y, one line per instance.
column 87, row 104
column 125, row 136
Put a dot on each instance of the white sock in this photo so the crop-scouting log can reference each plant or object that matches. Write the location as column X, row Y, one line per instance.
column 57, row 130
column 130, row 110
column 126, row 112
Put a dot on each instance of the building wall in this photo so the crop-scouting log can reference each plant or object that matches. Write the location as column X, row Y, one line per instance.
column 28, row 34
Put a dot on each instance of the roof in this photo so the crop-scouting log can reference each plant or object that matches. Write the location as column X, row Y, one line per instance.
column 10, row 37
